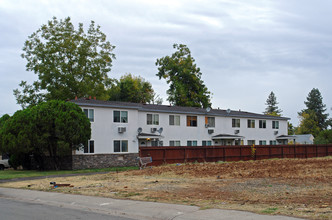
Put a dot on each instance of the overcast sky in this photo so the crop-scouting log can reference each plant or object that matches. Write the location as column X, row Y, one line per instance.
column 245, row 48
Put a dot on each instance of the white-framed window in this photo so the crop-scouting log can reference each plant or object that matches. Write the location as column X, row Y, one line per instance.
column 251, row 142
column 191, row 121
column 273, row 142
column 251, row 123
column 156, row 143
column 235, row 122
column 275, row 124
column 174, row 120
column 152, row 119
column 120, row 116
column 262, row 123
column 174, row 143
column 89, row 147
column 120, row 146
column 206, row 143
column 90, row 114
column 262, row 142
column 210, row 121
column 191, row 143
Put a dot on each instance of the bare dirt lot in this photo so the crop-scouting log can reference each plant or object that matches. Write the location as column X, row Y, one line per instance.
column 294, row 187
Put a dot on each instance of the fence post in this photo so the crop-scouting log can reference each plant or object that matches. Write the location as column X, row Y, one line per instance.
column 240, row 153
column 316, row 150
column 269, row 152
column 224, row 152
column 185, row 156
column 164, row 157
column 306, row 151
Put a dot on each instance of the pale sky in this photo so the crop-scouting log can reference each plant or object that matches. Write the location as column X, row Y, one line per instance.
column 245, row 48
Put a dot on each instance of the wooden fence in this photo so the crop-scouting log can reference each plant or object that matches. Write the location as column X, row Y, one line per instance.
column 162, row 155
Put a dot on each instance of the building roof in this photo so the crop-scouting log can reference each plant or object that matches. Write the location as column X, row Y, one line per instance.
column 172, row 109
column 283, row 137
column 304, row 138
column 147, row 135
column 226, row 136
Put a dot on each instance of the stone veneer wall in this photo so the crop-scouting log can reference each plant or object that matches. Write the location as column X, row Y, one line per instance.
column 87, row 161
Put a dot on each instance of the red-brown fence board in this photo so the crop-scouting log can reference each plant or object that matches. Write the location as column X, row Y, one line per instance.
column 162, row 155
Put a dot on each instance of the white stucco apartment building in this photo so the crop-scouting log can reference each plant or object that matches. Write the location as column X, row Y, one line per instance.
column 120, row 128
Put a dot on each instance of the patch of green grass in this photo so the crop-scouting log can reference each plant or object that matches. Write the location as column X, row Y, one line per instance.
column 13, row 174
column 205, row 207
column 269, row 210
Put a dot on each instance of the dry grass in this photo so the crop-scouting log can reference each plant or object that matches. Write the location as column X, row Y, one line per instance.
column 294, row 187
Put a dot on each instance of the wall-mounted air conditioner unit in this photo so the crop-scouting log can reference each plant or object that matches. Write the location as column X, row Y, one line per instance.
column 236, row 131
column 210, row 131
column 275, row 132
column 121, row 129
column 153, row 130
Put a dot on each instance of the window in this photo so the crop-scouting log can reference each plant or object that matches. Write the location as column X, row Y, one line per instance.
column 191, row 143
column 90, row 114
column 210, row 121
column 89, row 147
column 251, row 123
column 152, row 119
column 251, row 142
column 121, row 146
column 206, row 143
column 120, row 116
column 174, row 143
column 235, row 122
column 275, row 124
column 174, row 120
column 273, row 142
column 262, row 142
column 262, row 123
column 156, row 143
column 191, row 121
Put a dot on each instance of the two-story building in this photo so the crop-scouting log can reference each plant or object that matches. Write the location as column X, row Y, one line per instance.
column 120, row 128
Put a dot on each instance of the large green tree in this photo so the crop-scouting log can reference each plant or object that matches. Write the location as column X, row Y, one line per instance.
column 69, row 62
column 132, row 89
column 52, row 128
column 316, row 109
column 186, row 86
column 272, row 105
column 3, row 120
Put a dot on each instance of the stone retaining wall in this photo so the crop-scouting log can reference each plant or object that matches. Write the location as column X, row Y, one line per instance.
column 103, row 160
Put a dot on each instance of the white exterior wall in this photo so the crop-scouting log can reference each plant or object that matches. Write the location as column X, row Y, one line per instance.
column 105, row 131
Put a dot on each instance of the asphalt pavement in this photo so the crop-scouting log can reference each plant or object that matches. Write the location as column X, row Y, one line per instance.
column 126, row 209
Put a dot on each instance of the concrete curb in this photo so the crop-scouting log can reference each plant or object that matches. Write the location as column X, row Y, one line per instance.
column 129, row 208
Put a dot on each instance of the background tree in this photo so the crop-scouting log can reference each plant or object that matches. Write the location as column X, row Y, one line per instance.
column 53, row 128
column 184, row 77
column 68, row 63
column 132, row 89
column 324, row 137
column 272, row 108
column 308, row 124
column 291, row 129
column 316, row 108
